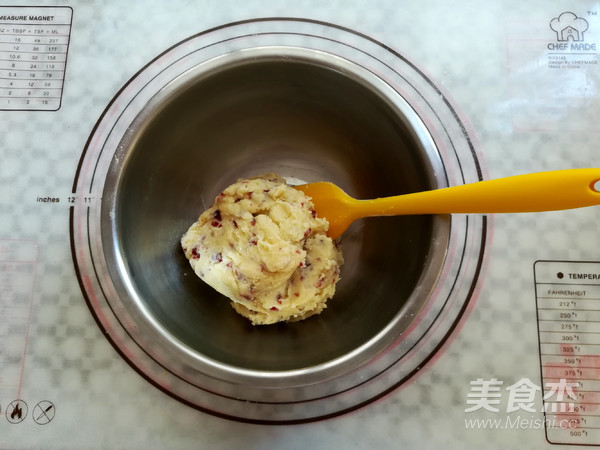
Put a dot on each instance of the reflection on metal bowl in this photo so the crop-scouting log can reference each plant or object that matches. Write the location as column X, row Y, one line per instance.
column 307, row 119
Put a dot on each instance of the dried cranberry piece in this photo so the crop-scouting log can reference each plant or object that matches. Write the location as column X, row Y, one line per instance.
column 195, row 254
column 321, row 282
column 217, row 214
column 274, row 308
column 216, row 224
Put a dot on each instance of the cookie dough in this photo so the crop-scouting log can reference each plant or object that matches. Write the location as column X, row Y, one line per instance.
column 262, row 245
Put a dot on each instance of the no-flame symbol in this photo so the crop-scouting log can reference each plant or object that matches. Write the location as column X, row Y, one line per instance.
column 16, row 411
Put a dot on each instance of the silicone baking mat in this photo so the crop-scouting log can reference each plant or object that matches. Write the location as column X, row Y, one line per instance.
column 520, row 369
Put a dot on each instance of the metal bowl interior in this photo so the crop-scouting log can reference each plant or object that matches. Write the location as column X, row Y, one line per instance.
column 306, row 120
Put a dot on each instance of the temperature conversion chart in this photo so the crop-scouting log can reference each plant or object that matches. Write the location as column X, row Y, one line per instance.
column 34, row 42
column 568, row 306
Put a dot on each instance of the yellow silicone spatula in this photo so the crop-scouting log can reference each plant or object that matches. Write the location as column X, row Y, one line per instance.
column 535, row 192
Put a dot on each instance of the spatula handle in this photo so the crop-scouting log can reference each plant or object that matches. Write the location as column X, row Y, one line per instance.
column 542, row 191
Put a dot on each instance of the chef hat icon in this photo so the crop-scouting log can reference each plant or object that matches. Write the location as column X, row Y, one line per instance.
column 569, row 27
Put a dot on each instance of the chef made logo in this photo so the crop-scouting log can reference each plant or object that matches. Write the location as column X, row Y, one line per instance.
column 570, row 33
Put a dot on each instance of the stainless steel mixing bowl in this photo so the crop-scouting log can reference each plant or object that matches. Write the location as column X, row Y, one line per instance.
column 310, row 101
column 308, row 117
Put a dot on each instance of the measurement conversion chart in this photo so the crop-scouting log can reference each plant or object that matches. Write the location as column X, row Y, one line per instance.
column 33, row 55
column 568, row 307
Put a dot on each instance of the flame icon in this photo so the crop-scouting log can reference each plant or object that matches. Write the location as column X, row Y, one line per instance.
column 17, row 412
